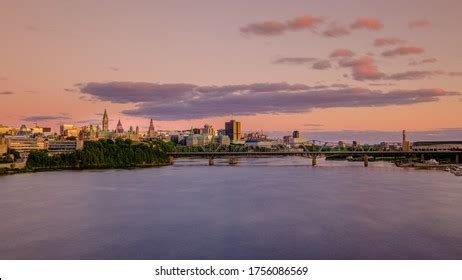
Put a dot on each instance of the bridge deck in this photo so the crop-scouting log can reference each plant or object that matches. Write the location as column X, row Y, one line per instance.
column 309, row 153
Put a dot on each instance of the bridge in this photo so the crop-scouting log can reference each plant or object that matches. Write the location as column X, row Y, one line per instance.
column 211, row 154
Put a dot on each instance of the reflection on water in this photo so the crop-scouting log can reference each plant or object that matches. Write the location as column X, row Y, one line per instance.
column 261, row 208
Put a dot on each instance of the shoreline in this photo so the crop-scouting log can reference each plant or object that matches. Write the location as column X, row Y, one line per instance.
column 8, row 171
column 13, row 171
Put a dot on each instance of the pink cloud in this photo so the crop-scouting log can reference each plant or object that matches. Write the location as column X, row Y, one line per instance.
column 419, row 23
column 402, row 51
column 275, row 28
column 387, row 41
column 367, row 23
column 303, row 22
column 363, row 68
column 341, row 53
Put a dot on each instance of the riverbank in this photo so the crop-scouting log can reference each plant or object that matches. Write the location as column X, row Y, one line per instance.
column 12, row 171
column 420, row 165
column 455, row 169
column 101, row 154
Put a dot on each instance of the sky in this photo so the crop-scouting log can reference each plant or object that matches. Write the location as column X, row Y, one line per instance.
column 329, row 68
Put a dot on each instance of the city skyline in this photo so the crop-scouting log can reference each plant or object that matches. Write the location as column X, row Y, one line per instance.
column 367, row 137
column 365, row 67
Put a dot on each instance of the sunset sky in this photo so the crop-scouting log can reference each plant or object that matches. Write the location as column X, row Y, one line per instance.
column 319, row 66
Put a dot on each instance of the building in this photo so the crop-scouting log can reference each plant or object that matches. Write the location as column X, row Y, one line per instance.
column 7, row 130
column 68, row 130
column 105, row 121
column 221, row 140
column 132, row 134
column 233, row 130
column 63, row 146
column 406, row 145
column 3, row 146
column 24, row 145
column 197, row 140
column 198, row 130
column 287, row 139
column 294, row 140
column 46, row 131
column 208, row 130
column 253, row 142
column 23, row 131
column 88, row 132
column 256, row 135
column 119, row 131
column 105, row 134
column 296, row 134
column 437, row 146
column 64, row 127
column 151, row 130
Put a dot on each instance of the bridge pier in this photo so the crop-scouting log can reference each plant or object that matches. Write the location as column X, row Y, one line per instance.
column 314, row 161
column 457, row 159
column 366, row 160
column 211, row 161
column 232, row 161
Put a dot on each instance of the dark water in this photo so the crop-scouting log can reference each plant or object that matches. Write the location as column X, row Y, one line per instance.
column 278, row 208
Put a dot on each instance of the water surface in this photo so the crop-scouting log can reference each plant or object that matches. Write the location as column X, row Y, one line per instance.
column 277, row 208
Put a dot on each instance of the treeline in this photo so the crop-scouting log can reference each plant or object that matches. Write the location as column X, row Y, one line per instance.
column 104, row 154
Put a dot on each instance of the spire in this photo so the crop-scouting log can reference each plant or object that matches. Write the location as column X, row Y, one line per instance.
column 119, row 128
column 151, row 131
column 105, row 121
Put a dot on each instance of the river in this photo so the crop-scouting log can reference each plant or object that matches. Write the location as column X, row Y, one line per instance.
column 263, row 208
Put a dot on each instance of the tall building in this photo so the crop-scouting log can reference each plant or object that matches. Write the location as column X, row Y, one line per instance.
column 406, row 144
column 296, row 134
column 233, row 130
column 151, row 130
column 105, row 121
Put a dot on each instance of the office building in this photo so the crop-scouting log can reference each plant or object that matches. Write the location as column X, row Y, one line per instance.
column 24, row 145
column 63, row 146
column 233, row 130
column 437, row 146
